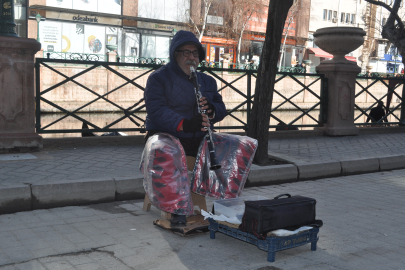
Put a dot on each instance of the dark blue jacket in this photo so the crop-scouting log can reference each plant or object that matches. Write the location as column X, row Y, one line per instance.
column 169, row 94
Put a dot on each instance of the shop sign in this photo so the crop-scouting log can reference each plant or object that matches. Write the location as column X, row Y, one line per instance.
column 219, row 40
column 82, row 18
column 255, row 37
column 289, row 41
column 85, row 19
column 156, row 26
column 215, row 20
column 215, row 33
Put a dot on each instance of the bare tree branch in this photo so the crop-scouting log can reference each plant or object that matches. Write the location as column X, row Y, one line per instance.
column 393, row 11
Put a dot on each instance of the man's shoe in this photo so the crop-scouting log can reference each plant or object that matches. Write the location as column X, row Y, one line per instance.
column 178, row 220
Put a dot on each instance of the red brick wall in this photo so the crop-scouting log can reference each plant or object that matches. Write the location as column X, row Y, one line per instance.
column 32, row 29
column 130, row 8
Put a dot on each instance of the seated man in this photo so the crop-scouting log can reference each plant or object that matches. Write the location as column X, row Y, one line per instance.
column 377, row 113
column 171, row 102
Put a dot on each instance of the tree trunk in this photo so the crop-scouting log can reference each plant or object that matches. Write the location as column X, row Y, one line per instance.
column 238, row 49
column 266, row 76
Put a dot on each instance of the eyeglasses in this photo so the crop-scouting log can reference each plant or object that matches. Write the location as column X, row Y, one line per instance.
column 186, row 53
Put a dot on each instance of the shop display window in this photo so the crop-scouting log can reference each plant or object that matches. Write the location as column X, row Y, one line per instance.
column 150, row 48
column 20, row 17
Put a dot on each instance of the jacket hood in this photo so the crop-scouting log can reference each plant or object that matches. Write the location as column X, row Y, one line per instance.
column 182, row 38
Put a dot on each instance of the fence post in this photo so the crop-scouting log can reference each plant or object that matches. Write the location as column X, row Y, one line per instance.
column 402, row 118
column 249, row 99
column 323, row 112
column 37, row 96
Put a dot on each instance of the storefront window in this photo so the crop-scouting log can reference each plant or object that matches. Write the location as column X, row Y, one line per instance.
column 20, row 17
column 162, row 51
column 102, row 6
column 256, row 50
column 169, row 10
column 148, row 46
column 132, row 44
column 150, row 50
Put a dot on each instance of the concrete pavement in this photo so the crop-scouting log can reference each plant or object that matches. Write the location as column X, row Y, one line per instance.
column 79, row 171
column 363, row 229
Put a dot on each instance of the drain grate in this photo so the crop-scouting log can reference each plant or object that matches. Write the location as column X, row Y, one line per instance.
column 8, row 157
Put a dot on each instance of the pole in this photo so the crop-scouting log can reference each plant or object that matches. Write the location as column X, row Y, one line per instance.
column 7, row 24
column 395, row 56
column 38, row 31
column 38, row 18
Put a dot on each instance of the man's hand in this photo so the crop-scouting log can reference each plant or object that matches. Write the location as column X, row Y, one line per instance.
column 205, row 105
column 198, row 123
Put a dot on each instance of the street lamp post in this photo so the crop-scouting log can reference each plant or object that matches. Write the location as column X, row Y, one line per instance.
column 38, row 18
column 7, row 24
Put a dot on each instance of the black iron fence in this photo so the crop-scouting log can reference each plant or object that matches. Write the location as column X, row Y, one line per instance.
column 379, row 99
column 305, row 94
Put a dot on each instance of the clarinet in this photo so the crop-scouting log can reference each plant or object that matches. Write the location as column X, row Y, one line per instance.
column 215, row 165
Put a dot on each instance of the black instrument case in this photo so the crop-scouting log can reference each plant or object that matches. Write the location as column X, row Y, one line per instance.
column 280, row 213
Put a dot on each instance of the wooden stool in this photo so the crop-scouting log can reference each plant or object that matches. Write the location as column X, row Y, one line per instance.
column 197, row 199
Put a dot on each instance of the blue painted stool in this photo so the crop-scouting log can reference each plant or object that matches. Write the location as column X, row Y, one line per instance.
column 271, row 244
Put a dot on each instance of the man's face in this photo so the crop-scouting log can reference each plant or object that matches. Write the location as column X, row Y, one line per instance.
column 185, row 62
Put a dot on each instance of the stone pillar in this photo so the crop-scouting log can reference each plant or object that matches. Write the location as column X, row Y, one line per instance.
column 341, row 74
column 225, row 65
column 112, row 57
column 17, row 102
column 341, row 92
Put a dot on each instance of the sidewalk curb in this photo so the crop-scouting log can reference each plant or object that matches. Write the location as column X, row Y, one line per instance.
column 319, row 170
column 26, row 197
column 358, row 166
column 392, row 163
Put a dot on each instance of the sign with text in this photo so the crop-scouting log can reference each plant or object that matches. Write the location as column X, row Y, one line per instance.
column 82, row 18
column 50, row 35
column 156, row 26
column 215, row 20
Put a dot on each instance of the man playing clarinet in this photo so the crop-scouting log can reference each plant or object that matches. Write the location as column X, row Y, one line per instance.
column 171, row 102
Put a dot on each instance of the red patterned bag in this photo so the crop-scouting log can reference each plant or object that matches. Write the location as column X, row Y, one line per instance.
column 166, row 181
column 235, row 153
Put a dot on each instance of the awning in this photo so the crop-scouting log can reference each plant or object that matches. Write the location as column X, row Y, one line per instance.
column 321, row 53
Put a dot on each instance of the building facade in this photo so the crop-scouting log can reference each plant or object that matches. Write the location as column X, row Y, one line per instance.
column 144, row 28
column 141, row 28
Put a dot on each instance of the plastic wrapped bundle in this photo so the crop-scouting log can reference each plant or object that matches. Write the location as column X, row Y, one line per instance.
column 166, row 181
column 235, row 153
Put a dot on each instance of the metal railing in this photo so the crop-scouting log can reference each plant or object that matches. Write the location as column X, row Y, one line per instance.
column 374, row 88
column 75, row 56
column 314, row 85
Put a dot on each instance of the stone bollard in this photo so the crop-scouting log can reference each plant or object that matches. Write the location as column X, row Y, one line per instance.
column 225, row 65
column 341, row 74
column 17, row 102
